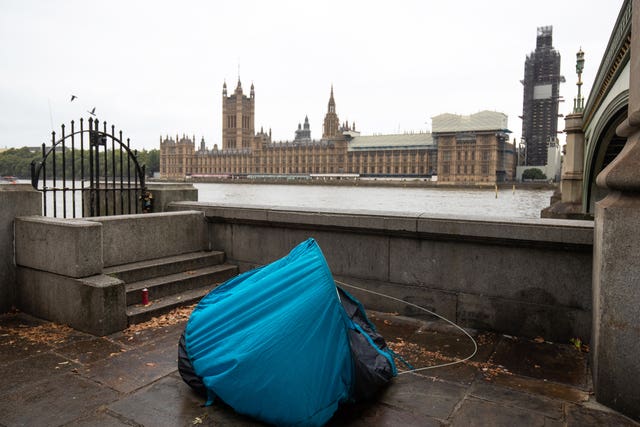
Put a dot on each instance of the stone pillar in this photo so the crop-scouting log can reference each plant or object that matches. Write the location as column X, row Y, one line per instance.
column 166, row 193
column 616, row 262
column 572, row 170
column 15, row 200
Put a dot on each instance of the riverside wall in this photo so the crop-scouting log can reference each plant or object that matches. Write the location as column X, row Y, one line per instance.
column 520, row 277
column 15, row 200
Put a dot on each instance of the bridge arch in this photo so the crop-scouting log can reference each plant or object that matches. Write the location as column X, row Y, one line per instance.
column 603, row 145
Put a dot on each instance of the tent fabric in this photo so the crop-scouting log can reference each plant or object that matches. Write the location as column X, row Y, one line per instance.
column 283, row 344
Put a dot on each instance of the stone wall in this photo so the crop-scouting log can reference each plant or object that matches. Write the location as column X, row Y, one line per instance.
column 15, row 200
column 521, row 277
column 60, row 262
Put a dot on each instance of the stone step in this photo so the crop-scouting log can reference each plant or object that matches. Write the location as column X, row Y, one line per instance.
column 139, row 313
column 144, row 270
column 160, row 287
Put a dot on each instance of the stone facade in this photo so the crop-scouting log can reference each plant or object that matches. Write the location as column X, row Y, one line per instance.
column 473, row 149
column 476, row 155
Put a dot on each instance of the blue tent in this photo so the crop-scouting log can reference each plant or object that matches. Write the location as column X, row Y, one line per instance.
column 283, row 344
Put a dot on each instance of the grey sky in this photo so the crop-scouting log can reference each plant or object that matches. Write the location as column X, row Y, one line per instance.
column 156, row 67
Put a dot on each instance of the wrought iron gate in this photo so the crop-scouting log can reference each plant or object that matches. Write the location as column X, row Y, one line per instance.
column 92, row 167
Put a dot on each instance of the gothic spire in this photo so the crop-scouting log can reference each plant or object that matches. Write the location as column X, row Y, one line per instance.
column 332, row 102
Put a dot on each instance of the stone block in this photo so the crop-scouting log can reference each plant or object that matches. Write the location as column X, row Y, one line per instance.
column 94, row 304
column 128, row 371
column 413, row 394
column 56, row 400
column 524, row 273
column 474, row 411
column 441, row 302
column 545, row 232
column 514, row 398
column 131, row 238
column 358, row 255
column 257, row 244
column 521, row 318
column 166, row 193
column 616, row 293
column 221, row 238
column 15, row 200
column 69, row 247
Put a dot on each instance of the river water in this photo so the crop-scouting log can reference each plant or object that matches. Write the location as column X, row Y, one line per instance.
column 521, row 203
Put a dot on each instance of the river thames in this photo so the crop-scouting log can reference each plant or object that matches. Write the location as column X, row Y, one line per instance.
column 438, row 201
column 518, row 203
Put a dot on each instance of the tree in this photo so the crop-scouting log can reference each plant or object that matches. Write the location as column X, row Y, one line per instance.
column 17, row 162
column 533, row 174
column 151, row 160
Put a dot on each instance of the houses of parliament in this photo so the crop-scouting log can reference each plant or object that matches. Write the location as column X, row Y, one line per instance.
column 472, row 149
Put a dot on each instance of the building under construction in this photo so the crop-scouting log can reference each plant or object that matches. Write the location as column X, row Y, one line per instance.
column 541, row 96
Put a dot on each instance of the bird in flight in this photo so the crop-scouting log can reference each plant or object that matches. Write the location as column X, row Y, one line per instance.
column 92, row 112
column 72, row 98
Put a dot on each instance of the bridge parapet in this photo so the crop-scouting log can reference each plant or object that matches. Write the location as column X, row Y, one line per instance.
column 521, row 277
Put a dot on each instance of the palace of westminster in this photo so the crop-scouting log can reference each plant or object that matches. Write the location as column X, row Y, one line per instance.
column 472, row 149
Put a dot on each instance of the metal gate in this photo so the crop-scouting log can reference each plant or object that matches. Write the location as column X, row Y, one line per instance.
column 90, row 172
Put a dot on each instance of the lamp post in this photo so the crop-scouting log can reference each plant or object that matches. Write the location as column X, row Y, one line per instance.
column 578, row 102
column 523, row 152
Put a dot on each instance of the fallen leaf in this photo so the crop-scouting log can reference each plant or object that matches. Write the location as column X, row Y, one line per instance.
column 150, row 364
column 538, row 340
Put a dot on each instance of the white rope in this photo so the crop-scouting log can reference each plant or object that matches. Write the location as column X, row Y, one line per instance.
column 475, row 345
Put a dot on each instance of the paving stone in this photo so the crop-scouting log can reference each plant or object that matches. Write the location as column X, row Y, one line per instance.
column 22, row 336
column 151, row 334
column 476, row 412
column 19, row 320
column 53, row 401
column 170, row 402
column 23, row 373
column 423, row 348
column 548, row 389
column 132, row 369
column 581, row 416
column 14, row 348
column 423, row 396
column 382, row 416
column 509, row 397
column 75, row 379
column 90, row 351
column 99, row 418
column 553, row 362
column 459, row 348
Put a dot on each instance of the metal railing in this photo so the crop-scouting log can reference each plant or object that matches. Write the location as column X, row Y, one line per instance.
column 95, row 168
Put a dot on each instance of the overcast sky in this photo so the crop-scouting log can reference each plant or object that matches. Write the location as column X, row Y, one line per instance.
column 157, row 67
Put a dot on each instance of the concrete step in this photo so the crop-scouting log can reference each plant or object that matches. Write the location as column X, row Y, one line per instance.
column 143, row 270
column 139, row 313
column 160, row 287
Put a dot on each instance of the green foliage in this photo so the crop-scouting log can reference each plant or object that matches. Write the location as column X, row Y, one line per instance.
column 151, row 159
column 17, row 162
column 533, row 173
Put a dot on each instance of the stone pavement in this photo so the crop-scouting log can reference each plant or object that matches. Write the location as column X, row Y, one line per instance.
column 55, row 376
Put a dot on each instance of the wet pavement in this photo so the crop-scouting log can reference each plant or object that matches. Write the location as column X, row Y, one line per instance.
column 55, row 376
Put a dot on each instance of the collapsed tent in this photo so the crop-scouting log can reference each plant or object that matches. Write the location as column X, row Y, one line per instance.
column 283, row 344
